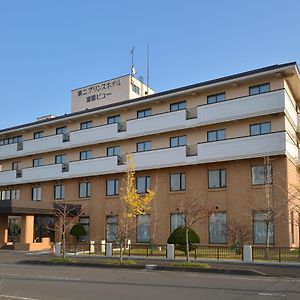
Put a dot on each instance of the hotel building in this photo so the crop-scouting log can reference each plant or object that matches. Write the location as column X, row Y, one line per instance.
column 209, row 141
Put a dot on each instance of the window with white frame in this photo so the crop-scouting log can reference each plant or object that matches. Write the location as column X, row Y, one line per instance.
column 12, row 194
column 262, row 220
column 216, row 178
column 143, row 229
column 112, row 187
column 217, row 228
column 59, row 191
column 142, row 184
column 37, row 193
column 261, row 174
column 177, row 182
column 84, row 189
column 177, row 220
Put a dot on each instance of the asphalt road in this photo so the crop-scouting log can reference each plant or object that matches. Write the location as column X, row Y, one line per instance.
column 58, row 282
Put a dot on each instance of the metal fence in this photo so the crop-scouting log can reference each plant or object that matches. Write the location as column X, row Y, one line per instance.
column 212, row 252
column 147, row 250
column 279, row 254
column 276, row 254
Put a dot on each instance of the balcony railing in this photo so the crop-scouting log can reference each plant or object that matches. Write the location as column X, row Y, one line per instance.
column 277, row 143
column 243, row 147
column 243, row 107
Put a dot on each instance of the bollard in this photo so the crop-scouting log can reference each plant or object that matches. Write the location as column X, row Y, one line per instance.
column 57, row 249
column 109, row 249
column 92, row 247
column 170, row 251
column 247, row 253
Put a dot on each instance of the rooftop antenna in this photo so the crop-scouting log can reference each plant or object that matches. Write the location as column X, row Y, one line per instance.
column 148, row 67
column 132, row 70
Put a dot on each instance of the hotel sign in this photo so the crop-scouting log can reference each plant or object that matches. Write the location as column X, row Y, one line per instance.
column 98, row 91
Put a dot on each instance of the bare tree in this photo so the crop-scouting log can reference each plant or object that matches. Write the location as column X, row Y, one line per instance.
column 238, row 234
column 194, row 211
column 64, row 217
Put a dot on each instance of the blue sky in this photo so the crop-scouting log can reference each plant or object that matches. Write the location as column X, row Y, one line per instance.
column 49, row 47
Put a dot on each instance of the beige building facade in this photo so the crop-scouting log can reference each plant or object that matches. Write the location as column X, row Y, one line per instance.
column 227, row 143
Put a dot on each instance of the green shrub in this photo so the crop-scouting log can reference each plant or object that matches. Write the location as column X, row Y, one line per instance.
column 78, row 230
column 177, row 238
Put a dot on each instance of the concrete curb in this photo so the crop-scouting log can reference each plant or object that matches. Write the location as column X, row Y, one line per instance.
column 144, row 267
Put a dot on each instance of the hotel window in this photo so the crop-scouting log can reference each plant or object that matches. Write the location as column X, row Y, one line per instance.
column 135, row 88
column 111, row 228
column 10, row 195
column 216, row 135
column 113, row 119
column 260, row 221
column 84, row 189
column 86, row 125
column 113, row 151
column 144, row 113
column 261, row 128
column 85, row 155
column 38, row 134
column 143, row 146
column 178, row 106
column 178, row 141
column 85, row 221
column 261, row 175
column 5, row 195
column 37, row 162
column 142, row 184
column 177, row 220
column 59, row 191
column 177, row 182
column 112, row 187
column 216, row 179
column 12, row 140
column 62, row 130
column 60, row 159
column 15, row 195
column 217, row 228
column 216, row 98
column 37, row 193
column 259, row 89
column 15, row 165
column 143, row 228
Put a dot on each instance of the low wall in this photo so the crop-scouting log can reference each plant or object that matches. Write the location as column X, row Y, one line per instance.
column 44, row 245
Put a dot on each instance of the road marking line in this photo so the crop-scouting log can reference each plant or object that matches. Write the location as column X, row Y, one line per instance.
column 15, row 297
column 271, row 294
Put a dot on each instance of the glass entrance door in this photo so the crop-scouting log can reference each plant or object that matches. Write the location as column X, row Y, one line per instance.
column 14, row 229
